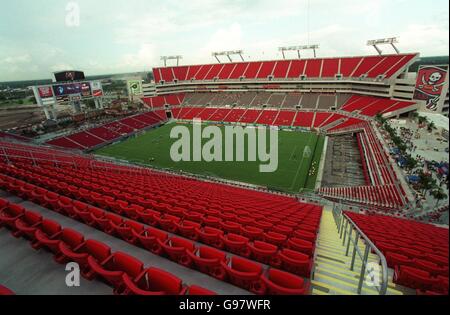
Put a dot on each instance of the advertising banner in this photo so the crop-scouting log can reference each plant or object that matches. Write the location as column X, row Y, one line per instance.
column 135, row 87
column 45, row 91
column 430, row 84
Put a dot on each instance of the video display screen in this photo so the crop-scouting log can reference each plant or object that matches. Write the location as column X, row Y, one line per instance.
column 66, row 76
column 83, row 88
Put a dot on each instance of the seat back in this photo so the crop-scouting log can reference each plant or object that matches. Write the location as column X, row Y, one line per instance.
column 285, row 280
column 98, row 250
column 31, row 218
column 180, row 242
column 244, row 265
column 72, row 238
column 160, row 280
column 50, row 227
column 211, row 253
column 128, row 264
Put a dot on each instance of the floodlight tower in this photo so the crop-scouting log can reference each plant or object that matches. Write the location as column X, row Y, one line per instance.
column 228, row 54
column 177, row 58
column 383, row 41
column 298, row 49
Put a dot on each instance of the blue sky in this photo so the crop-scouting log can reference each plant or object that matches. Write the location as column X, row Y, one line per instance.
column 125, row 36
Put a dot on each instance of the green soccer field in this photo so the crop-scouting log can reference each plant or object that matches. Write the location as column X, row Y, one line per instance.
column 296, row 171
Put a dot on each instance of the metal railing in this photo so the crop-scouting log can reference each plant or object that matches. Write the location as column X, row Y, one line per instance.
column 352, row 235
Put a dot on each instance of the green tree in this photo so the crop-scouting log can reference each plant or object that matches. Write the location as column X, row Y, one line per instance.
column 439, row 195
column 421, row 120
column 426, row 182
column 411, row 162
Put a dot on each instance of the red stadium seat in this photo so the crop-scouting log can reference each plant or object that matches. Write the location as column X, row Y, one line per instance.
column 295, row 262
column 245, row 274
column 9, row 214
column 252, row 233
column 114, row 267
column 187, row 229
column 177, row 250
column 210, row 236
column 282, row 283
column 275, row 238
column 152, row 281
column 208, row 260
column 71, row 239
column 5, row 291
column 46, row 234
column 236, row 244
column 28, row 224
column 196, row 290
column 230, row 227
column 301, row 245
column 149, row 237
column 414, row 278
column 264, row 252
column 394, row 260
column 169, row 223
column 98, row 252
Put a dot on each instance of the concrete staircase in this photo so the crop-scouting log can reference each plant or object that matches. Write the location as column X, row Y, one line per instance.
column 332, row 275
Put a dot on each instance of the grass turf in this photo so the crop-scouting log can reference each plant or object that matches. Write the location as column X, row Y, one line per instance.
column 293, row 173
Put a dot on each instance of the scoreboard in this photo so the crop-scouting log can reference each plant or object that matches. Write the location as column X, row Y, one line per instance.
column 83, row 88
column 68, row 76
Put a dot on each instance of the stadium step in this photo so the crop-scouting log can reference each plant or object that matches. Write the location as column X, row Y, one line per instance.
column 332, row 274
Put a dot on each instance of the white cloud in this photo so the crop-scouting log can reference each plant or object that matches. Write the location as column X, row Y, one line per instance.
column 229, row 38
column 16, row 60
column 61, row 67
column 428, row 39
column 143, row 59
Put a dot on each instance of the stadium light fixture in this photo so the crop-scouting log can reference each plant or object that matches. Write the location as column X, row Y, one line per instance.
column 228, row 54
column 383, row 41
column 298, row 49
column 177, row 58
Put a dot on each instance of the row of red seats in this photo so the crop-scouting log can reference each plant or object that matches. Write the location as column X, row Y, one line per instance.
column 123, row 272
column 418, row 252
column 162, row 100
column 256, row 243
column 266, row 117
column 380, row 196
column 372, row 66
column 28, row 153
column 96, row 136
column 7, row 135
column 378, row 172
column 200, row 211
column 371, row 106
column 238, row 271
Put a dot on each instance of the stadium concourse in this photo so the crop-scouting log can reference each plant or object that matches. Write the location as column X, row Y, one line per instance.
column 135, row 229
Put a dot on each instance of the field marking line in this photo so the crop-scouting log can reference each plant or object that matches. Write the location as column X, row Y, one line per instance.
column 293, row 153
column 300, row 166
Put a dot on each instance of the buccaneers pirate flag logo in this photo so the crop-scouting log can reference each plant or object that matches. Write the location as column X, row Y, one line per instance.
column 430, row 82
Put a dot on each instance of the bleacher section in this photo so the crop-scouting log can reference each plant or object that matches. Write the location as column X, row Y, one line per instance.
column 417, row 252
column 161, row 101
column 95, row 137
column 385, row 190
column 201, row 216
column 356, row 104
column 327, row 68
column 371, row 106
